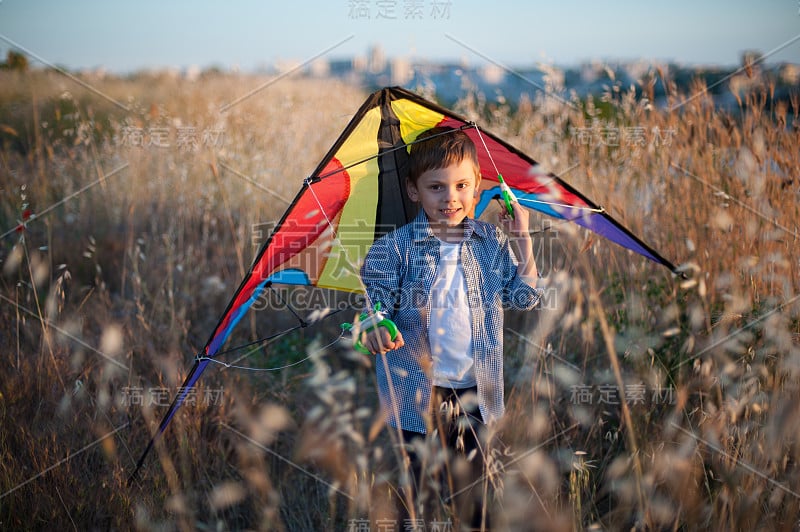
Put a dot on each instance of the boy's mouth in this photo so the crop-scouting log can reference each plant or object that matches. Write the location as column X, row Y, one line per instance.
column 449, row 212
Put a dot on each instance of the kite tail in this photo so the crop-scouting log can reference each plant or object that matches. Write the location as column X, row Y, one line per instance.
column 194, row 374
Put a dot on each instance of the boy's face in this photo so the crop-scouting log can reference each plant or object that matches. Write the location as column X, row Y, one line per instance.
column 447, row 194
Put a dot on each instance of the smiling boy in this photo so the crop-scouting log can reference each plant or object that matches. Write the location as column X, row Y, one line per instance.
column 444, row 279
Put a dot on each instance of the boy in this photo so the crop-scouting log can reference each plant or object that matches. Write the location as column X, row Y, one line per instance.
column 443, row 279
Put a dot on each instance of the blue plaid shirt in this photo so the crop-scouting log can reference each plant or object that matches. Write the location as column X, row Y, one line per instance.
column 398, row 273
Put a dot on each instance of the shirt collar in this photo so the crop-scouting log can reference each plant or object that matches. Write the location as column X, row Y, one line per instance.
column 421, row 229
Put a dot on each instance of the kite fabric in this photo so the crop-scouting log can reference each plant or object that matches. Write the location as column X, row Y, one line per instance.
column 357, row 194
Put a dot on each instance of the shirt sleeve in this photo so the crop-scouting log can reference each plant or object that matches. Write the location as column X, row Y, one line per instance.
column 380, row 274
column 519, row 292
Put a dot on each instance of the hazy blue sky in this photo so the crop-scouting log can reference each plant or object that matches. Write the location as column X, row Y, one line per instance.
column 124, row 36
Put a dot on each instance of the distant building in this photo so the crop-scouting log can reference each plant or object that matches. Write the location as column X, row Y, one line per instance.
column 401, row 71
column 359, row 63
column 376, row 59
column 319, row 68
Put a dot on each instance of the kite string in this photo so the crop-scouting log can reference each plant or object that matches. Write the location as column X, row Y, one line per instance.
column 246, row 368
column 523, row 199
column 485, row 147
column 322, row 210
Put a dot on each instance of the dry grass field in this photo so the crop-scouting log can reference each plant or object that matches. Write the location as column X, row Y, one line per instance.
column 636, row 399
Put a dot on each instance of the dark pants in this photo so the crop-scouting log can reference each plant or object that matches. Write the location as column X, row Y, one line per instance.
column 460, row 481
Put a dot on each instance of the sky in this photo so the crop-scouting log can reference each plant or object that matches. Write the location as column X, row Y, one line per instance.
column 249, row 34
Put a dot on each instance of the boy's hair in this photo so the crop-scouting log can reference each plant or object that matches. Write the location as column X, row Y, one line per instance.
column 440, row 147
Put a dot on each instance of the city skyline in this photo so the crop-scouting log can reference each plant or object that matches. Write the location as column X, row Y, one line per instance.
column 248, row 35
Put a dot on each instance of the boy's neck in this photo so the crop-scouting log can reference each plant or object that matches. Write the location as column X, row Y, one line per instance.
column 451, row 234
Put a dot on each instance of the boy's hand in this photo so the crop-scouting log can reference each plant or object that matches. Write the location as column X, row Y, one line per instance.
column 517, row 225
column 378, row 340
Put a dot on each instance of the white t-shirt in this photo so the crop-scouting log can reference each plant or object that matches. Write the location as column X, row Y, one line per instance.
column 450, row 327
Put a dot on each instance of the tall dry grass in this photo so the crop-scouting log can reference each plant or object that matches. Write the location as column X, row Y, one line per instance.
column 107, row 296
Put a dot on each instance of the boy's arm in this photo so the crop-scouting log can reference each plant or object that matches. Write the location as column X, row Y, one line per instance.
column 380, row 275
column 519, row 235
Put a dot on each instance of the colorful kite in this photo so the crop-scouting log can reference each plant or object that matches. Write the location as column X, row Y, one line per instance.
column 357, row 194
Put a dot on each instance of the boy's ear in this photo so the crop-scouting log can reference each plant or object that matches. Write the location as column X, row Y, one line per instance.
column 411, row 190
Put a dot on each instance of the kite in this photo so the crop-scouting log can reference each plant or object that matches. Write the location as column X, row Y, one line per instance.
column 357, row 194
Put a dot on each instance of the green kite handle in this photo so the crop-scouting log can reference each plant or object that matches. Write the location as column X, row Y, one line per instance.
column 508, row 195
column 372, row 321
